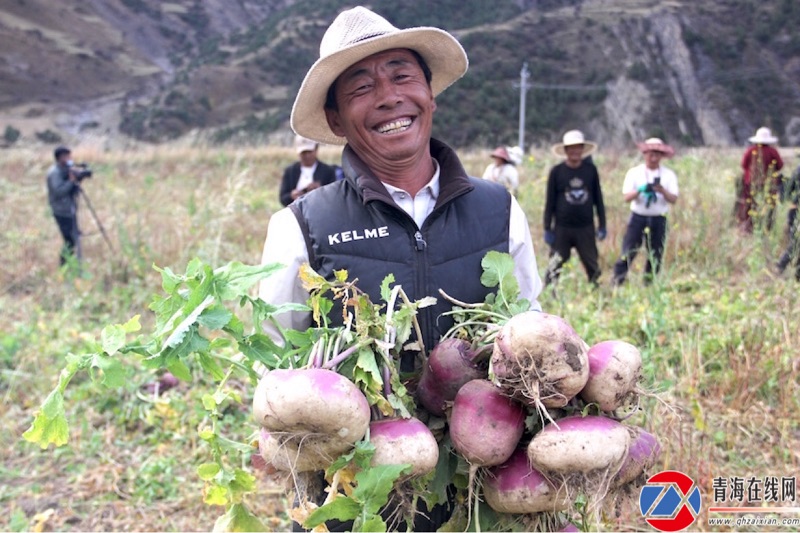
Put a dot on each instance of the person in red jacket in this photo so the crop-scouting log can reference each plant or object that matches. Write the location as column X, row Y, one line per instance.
column 761, row 180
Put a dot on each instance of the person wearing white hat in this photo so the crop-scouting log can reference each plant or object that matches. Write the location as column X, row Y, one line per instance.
column 306, row 174
column 573, row 194
column 650, row 188
column 760, row 181
column 406, row 206
column 502, row 169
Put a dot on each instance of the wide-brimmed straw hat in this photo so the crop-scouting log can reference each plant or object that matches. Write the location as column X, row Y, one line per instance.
column 354, row 35
column 654, row 144
column 502, row 153
column 571, row 138
column 763, row 136
column 301, row 144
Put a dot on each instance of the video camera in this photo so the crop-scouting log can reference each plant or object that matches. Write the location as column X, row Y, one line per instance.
column 81, row 171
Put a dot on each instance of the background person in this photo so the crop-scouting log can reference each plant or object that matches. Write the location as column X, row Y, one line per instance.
column 373, row 89
column 503, row 169
column 650, row 188
column 792, row 195
column 761, row 164
column 306, row 174
column 63, row 188
column 573, row 194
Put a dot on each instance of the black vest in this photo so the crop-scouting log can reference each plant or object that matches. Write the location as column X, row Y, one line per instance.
column 355, row 225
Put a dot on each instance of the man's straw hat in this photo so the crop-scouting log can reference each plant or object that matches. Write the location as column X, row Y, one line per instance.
column 763, row 136
column 301, row 144
column 654, row 144
column 502, row 153
column 571, row 138
column 354, row 35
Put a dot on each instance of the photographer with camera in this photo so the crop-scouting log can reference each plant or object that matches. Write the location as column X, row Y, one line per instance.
column 63, row 187
column 650, row 188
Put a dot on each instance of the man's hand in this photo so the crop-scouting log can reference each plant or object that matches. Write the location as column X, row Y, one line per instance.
column 311, row 186
column 549, row 237
column 601, row 234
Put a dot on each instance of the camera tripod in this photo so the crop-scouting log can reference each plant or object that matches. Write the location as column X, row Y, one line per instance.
column 96, row 219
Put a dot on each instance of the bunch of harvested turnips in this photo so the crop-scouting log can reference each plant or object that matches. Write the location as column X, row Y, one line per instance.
column 511, row 415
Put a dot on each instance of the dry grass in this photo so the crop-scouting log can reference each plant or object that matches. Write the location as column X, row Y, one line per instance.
column 719, row 331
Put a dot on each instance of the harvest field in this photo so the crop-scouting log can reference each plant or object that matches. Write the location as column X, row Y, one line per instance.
column 719, row 330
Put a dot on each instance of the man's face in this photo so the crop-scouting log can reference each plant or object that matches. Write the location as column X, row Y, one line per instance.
column 574, row 154
column 652, row 159
column 63, row 158
column 385, row 108
column 308, row 158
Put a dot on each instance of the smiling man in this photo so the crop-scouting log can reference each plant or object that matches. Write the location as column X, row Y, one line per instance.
column 406, row 206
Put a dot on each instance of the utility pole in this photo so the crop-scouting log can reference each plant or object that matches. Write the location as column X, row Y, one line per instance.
column 524, row 74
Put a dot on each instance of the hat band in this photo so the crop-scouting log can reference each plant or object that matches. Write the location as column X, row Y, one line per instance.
column 367, row 36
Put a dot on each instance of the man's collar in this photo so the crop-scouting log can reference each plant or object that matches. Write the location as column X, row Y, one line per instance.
column 432, row 186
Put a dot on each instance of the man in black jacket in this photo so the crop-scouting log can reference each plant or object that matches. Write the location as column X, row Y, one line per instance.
column 306, row 174
column 573, row 194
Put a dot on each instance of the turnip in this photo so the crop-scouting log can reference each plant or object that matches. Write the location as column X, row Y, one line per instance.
column 615, row 370
column 577, row 444
column 309, row 412
column 516, row 487
column 540, row 360
column 582, row 453
column 485, row 424
column 404, row 441
column 450, row 365
column 643, row 452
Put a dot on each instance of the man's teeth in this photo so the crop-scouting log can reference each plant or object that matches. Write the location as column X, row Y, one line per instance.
column 396, row 126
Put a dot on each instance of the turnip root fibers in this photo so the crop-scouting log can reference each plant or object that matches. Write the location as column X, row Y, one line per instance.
column 615, row 369
column 318, row 412
column 485, row 425
column 539, row 359
column 516, row 487
column 450, row 365
column 404, row 441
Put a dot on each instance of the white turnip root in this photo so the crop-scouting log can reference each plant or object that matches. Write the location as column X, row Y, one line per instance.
column 516, row 487
column 450, row 365
column 581, row 445
column 615, row 370
column 643, row 452
column 485, row 424
column 582, row 454
column 540, row 360
column 404, row 441
column 318, row 412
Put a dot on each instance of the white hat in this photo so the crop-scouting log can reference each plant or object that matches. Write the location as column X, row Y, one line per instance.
column 654, row 144
column 763, row 136
column 301, row 144
column 354, row 35
column 571, row 138
column 515, row 153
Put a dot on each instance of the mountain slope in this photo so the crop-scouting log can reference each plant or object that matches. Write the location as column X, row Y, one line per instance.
column 692, row 72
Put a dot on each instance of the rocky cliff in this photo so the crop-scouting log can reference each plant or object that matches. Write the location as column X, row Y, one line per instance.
column 695, row 73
